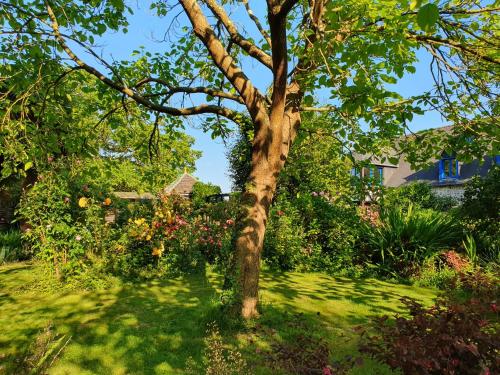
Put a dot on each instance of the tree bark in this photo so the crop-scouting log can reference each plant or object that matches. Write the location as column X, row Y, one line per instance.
column 272, row 140
column 256, row 203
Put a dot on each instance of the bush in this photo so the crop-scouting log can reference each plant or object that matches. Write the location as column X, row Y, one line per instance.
column 284, row 242
column 404, row 240
column 201, row 191
column 419, row 195
column 311, row 233
column 448, row 338
column 172, row 238
column 64, row 216
column 480, row 212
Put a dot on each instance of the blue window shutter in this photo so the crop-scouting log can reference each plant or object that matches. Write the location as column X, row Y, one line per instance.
column 497, row 160
column 441, row 170
column 456, row 169
column 381, row 175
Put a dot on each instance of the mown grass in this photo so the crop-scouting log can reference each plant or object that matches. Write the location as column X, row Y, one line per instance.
column 154, row 327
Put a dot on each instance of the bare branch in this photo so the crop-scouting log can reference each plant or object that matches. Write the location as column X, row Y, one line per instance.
column 189, row 90
column 236, row 37
column 254, row 18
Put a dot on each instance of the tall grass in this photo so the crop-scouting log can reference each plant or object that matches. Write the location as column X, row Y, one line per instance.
column 405, row 238
column 10, row 245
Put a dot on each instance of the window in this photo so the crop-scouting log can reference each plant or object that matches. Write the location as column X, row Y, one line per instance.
column 379, row 175
column 448, row 168
column 375, row 173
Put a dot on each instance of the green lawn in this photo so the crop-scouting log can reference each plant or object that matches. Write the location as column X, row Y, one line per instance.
column 154, row 327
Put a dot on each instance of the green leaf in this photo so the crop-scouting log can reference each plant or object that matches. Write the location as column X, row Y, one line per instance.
column 427, row 16
column 28, row 165
column 415, row 4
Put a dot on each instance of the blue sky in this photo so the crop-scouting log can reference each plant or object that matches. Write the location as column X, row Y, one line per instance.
column 146, row 29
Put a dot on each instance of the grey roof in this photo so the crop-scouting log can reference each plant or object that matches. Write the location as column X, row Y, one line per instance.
column 183, row 185
column 405, row 174
column 402, row 172
column 133, row 195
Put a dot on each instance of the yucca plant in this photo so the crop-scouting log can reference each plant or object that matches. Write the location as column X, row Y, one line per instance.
column 404, row 239
column 10, row 245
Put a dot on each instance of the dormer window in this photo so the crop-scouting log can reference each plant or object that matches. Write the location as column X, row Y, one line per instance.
column 448, row 168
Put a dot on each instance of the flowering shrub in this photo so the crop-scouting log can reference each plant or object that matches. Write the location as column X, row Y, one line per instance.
column 172, row 238
column 64, row 220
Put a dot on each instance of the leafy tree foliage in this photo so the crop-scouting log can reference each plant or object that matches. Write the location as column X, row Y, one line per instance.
column 203, row 190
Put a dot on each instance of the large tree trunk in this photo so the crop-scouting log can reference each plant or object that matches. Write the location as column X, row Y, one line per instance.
column 256, row 202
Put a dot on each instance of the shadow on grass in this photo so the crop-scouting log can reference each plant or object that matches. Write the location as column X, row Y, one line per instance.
column 136, row 328
column 154, row 327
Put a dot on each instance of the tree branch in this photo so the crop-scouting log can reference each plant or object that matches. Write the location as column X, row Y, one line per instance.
column 195, row 110
column 254, row 100
column 189, row 90
column 286, row 7
column 236, row 37
column 452, row 44
column 254, row 18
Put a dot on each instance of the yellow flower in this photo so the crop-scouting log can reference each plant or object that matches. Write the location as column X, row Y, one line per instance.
column 158, row 251
column 107, row 202
column 148, row 237
column 140, row 221
column 83, row 202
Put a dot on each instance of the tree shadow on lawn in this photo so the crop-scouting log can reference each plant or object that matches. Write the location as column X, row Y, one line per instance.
column 342, row 301
column 136, row 328
column 154, row 327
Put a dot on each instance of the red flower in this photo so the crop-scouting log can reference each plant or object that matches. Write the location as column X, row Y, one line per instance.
column 494, row 307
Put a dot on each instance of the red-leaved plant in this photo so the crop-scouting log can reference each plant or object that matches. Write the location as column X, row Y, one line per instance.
column 449, row 338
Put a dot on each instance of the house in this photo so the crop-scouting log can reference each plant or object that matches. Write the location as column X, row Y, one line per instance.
column 447, row 175
column 183, row 186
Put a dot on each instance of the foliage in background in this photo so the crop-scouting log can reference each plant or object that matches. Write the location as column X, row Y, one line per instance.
column 64, row 216
column 480, row 212
column 11, row 248
column 418, row 194
column 201, row 191
column 312, row 233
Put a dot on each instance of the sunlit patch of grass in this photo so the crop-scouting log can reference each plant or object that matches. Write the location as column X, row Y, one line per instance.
column 154, row 327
